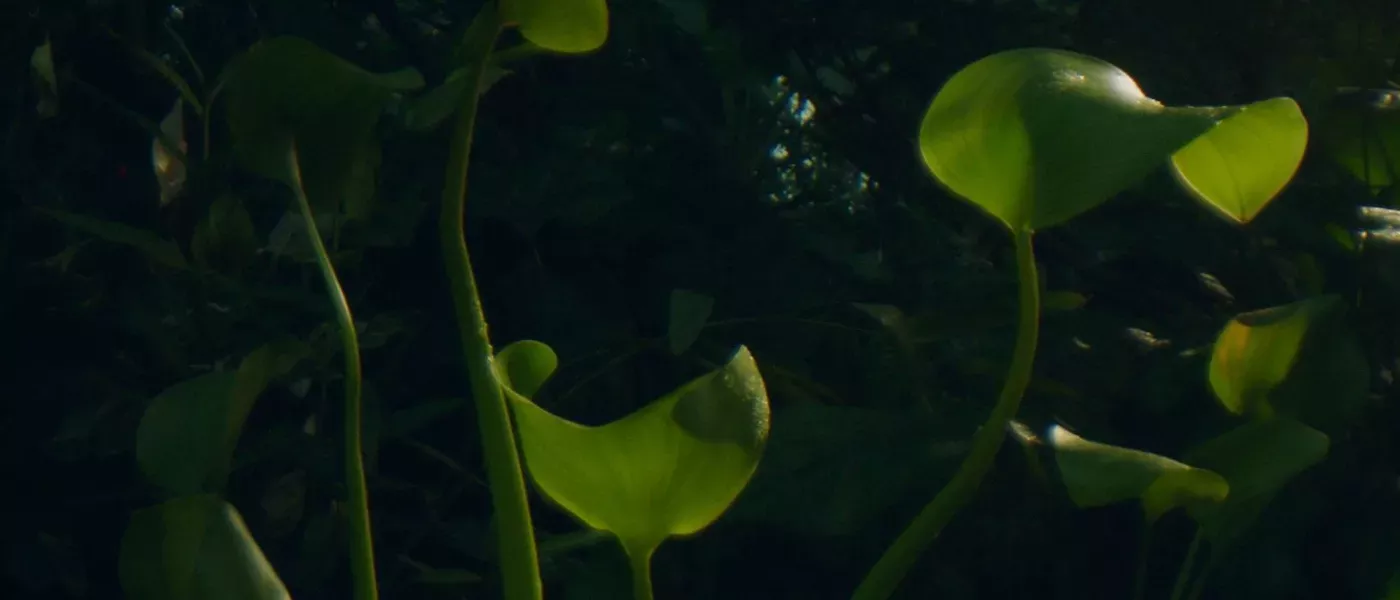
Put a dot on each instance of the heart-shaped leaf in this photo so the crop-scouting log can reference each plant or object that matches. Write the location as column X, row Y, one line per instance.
column 194, row 548
column 1036, row 136
column 1237, row 167
column 670, row 468
column 567, row 26
column 1299, row 359
column 1097, row 474
column 286, row 91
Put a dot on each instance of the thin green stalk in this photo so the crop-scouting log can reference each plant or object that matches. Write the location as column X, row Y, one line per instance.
column 640, row 563
column 884, row 578
column 520, row 570
column 1144, row 548
column 361, row 540
column 1184, row 575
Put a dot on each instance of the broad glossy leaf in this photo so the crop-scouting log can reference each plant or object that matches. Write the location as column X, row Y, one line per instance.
column 1257, row 459
column 194, row 548
column 1239, row 166
column 568, row 26
column 1036, row 136
column 689, row 311
column 287, row 90
column 1097, row 474
column 670, row 468
column 1299, row 358
column 186, row 437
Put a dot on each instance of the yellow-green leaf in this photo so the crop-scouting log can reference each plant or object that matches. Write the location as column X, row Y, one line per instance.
column 567, row 26
column 1240, row 165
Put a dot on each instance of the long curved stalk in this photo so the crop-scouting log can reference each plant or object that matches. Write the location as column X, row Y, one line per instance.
column 361, row 540
column 520, row 570
column 885, row 576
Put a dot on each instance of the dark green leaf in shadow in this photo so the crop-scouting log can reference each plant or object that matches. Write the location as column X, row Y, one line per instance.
column 424, row 113
column 155, row 248
column 1360, row 129
column 689, row 311
column 1258, row 459
column 287, row 90
column 1097, row 474
column 833, row 470
column 194, row 548
column 185, row 441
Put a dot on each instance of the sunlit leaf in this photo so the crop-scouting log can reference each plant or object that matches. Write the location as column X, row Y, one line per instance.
column 1238, row 166
column 194, row 548
column 670, row 468
column 1300, row 359
column 1097, row 474
column 1036, row 136
column 689, row 311
column 567, row 26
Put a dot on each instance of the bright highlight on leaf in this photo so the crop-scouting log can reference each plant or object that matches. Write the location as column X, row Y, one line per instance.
column 670, row 468
column 567, row 26
column 1098, row 474
column 1245, row 161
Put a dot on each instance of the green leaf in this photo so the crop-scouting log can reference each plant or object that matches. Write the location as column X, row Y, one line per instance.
column 1097, row 474
column 1036, row 136
column 670, row 468
column 1360, row 129
column 688, row 313
column 286, row 91
column 186, row 437
column 194, row 548
column 225, row 238
column 426, row 112
column 567, row 26
column 1240, row 165
column 155, row 248
column 835, row 470
column 1300, row 359
column 1257, row 459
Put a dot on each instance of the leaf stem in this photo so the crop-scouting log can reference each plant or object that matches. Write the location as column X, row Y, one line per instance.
column 885, row 576
column 519, row 559
column 1184, row 575
column 361, row 540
